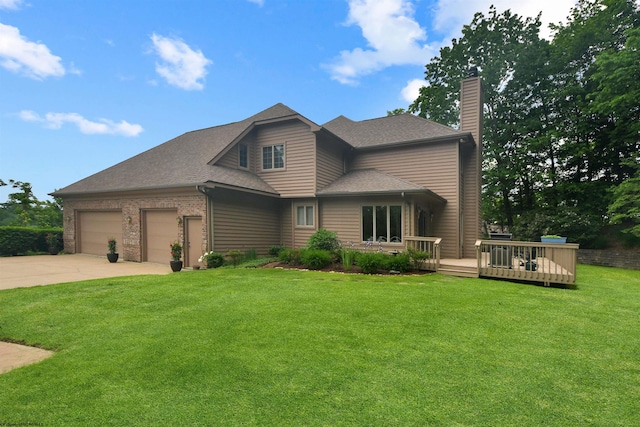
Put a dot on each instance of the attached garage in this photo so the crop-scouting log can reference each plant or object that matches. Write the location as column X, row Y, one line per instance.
column 161, row 228
column 95, row 228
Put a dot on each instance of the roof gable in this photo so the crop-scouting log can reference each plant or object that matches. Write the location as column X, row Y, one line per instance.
column 390, row 130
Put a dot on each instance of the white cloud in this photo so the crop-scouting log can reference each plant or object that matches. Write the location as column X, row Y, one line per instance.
column 10, row 4
column 181, row 66
column 102, row 126
column 412, row 90
column 33, row 59
column 393, row 35
column 258, row 2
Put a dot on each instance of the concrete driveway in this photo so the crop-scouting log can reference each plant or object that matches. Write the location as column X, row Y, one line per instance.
column 25, row 271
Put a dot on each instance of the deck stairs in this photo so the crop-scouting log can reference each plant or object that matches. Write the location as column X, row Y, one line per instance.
column 459, row 267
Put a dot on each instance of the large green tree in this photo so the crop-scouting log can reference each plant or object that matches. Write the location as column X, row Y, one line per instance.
column 561, row 117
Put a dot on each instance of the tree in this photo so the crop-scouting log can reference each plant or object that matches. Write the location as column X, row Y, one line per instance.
column 24, row 209
column 511, row 57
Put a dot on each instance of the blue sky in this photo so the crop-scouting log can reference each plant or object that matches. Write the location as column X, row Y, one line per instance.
column 87, row 84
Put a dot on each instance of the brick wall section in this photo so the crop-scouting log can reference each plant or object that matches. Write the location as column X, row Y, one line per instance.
column 610, row 258
column 190, row 204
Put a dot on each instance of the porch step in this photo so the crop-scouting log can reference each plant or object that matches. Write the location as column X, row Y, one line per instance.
column 458, row 270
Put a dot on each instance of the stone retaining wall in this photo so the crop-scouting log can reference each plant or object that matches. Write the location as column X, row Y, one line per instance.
column 610, row 258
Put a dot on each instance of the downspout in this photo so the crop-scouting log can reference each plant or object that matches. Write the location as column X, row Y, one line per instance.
column 208, row 215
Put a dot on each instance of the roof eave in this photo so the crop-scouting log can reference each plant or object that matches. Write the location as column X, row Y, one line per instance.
column 401, row 193
column 459, row 137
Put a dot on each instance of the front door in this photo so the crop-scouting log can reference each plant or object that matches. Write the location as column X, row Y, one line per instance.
column 193, row 245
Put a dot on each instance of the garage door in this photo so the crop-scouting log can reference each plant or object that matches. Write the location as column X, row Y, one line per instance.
column 95, row 228
column 160, row 230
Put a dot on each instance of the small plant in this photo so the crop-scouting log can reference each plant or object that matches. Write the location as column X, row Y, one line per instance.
column 275, row 250
column 347, row 255
column 417, row 257
column 290, row 256
column 250, row 255
column 236, row 256
column 315, row 259
column 176, row 251
column 400, row 262
column 111, row 244
column 551, row 236
column 325, row 240
column 370, row 262
column 212, row 259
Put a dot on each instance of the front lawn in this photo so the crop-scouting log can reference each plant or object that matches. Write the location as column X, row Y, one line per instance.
column 290, row 348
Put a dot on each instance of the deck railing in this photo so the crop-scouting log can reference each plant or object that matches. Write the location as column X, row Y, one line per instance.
column 530, row 261
column 431, row 245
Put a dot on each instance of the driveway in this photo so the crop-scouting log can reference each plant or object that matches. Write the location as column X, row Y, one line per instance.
column 25, row 271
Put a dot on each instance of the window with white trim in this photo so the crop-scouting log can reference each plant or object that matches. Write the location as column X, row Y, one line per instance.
column 273, row 157
column 243, row 155
column 305, row 216
column 382, row 223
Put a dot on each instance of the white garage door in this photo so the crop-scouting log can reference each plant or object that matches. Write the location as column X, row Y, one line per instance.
column 95, row 228
column 160, row 230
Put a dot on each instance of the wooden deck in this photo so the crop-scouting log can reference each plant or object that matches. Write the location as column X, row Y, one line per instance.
column 527, row 261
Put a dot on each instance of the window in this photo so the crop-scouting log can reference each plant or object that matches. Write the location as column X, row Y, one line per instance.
column 304, row 216
column 273, row 157
column 243, row 155
column 382, row 223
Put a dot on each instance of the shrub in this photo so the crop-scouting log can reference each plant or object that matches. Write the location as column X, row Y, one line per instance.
column 236, row 256
column 315, row 259
column 325, row 240
column 212, row 259
column 399, row 262
column 290, row 256
column 371, row 262
column 21, row 240
column 275, row 250
column 417, row 257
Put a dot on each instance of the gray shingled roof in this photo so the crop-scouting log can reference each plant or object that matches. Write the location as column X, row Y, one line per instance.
column 181, row 162
column 388, row 130
column 369, row 181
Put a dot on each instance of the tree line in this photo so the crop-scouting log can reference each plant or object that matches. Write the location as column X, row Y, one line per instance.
column 23, row 209
column 562, row 117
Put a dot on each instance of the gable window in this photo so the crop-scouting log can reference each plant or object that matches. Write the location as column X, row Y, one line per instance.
column 243, row 155
column 382, row 223
column 273, row 157
column 305, row 216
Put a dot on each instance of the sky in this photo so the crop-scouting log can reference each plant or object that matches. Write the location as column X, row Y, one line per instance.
column 87, row 84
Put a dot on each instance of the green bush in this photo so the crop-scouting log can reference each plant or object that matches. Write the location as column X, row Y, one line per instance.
column 370, row 262
column 275, row 250
column 236, row 256
column 20, row 240
column 399, row 262
column 212, row 259
column 290, row 256
column 417, row 257
column 315, row 259
column 325, row 240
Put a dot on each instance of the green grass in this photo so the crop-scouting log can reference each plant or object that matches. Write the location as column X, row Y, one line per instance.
column 290, row 348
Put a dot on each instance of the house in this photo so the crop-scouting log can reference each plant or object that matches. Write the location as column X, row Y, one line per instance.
column 277, row 177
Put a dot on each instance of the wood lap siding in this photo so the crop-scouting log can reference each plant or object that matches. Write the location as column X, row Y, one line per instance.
column 329, row 163
column 245, row 222
column 230, row 159
column 297, row 179
column 286, row 223
column 471, row 97
column 433, row 166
